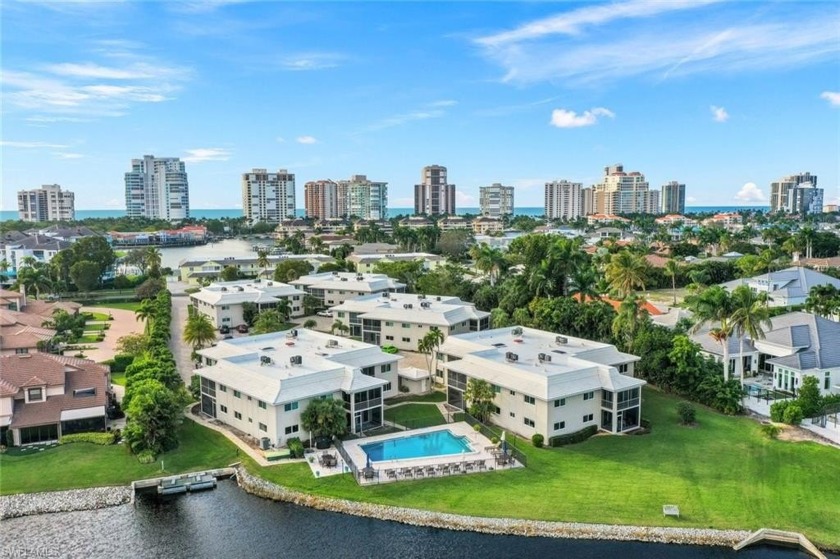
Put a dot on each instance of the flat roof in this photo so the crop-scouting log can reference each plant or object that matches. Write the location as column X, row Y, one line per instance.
column 232, row 292
column 349, row 281
column 436, row 310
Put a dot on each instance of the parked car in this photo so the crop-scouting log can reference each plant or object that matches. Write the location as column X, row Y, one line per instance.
column 228, row 337
column 242, row 328
column 390, row 349
column 223, row 329
column 327, row 314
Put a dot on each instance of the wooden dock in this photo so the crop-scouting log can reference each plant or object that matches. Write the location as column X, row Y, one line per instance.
column 780, row 537
column 183, row 483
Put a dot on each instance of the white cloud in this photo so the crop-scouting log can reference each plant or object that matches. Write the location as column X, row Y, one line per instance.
column 68, row 155
column 306, row 140
column 444, row 103
column 463, row 199
column 719, row 114
column 200, row 155
column 311, row 61
column 31, row 145
column 563, row 118
column 435, row 109
column 750, row 193
column 833, row 97
column 691, row 199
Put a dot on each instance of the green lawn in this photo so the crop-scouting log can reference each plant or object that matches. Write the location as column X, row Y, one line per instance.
column 86, row 465
column 118, row 378
column 87, row 339
column 723, row 473
column 99, row 316
column 434, row 396
column 125, row 305
column 94, row 326
column 415, row 416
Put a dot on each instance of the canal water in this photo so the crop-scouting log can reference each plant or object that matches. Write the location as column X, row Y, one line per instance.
column 227, row 523
column 238, row 248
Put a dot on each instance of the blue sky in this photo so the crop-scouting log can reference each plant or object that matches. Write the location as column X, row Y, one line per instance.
column 723, row 96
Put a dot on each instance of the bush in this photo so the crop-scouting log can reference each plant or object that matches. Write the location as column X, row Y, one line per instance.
column 295, row 447
column 10, row 438
column 494, row 440
column 404, row 389
column 121, row 362
column 793, row 414
column 92, row 438
column 686, row 412
column 572, row 438
column 770, row 431
column 537, row 440
column 777, row 411
column 146, row 457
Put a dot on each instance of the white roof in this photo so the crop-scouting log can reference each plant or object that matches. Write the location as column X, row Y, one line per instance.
column 433, row 310
column 260, row 366
column 349, row 281
column 235, row 292
column 413, row 373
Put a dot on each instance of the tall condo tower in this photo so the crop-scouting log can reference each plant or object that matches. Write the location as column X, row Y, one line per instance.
column 157, row 188
column 434, row 195
column 268, row 197
column 563, row 200
column 496, row 200
column 48, row 203
column 673, row 198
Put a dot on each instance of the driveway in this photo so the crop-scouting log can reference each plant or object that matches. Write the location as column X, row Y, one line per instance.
column 181, row 351
column 124, row 323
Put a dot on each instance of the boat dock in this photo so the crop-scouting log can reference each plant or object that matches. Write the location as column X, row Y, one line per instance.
column 183, row 483
column 780, row 537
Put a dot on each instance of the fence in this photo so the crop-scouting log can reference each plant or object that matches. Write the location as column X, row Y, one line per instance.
column 490, row 434
column 829, row 414
column 346, row 457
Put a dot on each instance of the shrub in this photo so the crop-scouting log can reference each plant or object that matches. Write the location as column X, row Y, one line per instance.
column 404, row 389
column 770, row 431
column 10, row 438
column 146, row 457
column 572, row 438
column 121, row 362
column 92, row 438
column 793, row 414
column 777, row 411
column 686, row 412
column 295, row 447
column 537, row 440
column 494, row 440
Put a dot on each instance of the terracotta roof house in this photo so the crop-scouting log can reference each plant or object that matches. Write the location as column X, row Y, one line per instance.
column 43, row 397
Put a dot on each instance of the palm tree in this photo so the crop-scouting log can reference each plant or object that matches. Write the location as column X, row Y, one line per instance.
column 284, row 307
column 714, row 307
column 262, row 260
column 33, row 275
column 337, row 325
column 541, row 283
column 488, row 260
column 146, row 312
column 823, row 300
column 480, row 395
column 311, row 323
column 428, row 345
column 199, row 331
column 584, row 283
column 153, row 257
column 626, row 271
column 671, row 270
column 750, row 318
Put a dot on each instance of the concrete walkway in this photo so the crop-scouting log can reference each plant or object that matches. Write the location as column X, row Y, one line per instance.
column 181, row 351
column 124, row 323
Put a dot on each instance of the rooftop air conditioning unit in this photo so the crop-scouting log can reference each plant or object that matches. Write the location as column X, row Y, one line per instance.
column 265, row 360
column 561, row 340
column 516, row 331
column 544, row 358
column 296, row 359
column 343, row 279
column 421, row 296
column 332, row 343
column 511, row 356
column 240, row 288
column 408, row 306
column 270, row 283
column 335, row 273
column 292, row 333
column 224, row 289
column 438, row 297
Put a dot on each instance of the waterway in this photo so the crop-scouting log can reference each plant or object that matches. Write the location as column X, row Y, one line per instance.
column 227, row 248
column 228, row 523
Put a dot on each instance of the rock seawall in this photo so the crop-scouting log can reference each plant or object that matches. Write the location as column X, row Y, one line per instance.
column 25, row 504
column 504, row 526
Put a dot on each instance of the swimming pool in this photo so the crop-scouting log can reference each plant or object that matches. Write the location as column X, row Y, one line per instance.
column 434, row 443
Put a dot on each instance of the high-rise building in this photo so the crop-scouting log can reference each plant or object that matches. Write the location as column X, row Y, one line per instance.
column 365, row 199
column 434, row 195
column 496, row 200
column 623, row 192
column 587, row 200
column 325, row 199
column 796, row 194
column 268, row 197
column 673, row 198
column 48, row 203
column 157, row 188
column 563, row 200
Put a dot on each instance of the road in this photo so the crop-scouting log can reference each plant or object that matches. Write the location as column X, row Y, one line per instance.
column 181, row 351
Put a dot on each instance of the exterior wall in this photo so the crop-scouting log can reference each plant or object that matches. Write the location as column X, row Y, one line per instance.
column 47, row 203
column 268, row 197
column 673, row 198
column 157, row 187
column 794, row 379
column 496, row 200
column 563, row 199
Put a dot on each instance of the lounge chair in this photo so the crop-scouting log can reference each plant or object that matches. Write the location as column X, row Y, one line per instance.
column 391, row 474
column 408, row 472
column 418, row 472
column 369, row 473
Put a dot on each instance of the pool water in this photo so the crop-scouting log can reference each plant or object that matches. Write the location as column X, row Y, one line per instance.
column 434, row 443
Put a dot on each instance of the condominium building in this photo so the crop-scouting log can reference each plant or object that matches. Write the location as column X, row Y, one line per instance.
column 544, row 383
column 403, row 319
column 672, row 198
column 325, row 199
column 262, row 384
column 365, row 199
column 496, row 200
column 434, row 195
column 366, row 263
column 333, row 288
column 157, row 188
column 796, row 194
column 222, row 301
column 587, row 200
column 623, row 192
column 563, row 200
column 47, row 203
column 268, row 197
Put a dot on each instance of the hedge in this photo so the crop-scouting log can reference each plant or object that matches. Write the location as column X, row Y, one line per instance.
column 572, row 438
column 93, row 438
column 120, row 362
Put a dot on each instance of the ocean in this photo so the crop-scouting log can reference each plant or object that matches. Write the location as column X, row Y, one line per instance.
column 392, row 212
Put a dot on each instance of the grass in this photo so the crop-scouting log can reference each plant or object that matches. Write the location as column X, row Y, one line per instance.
column 125, row 305
column 434, row 396
column 723, row 473
column 98, row 316
column 415, row 416
column 79, row 465
column 94, row 327
column 118, row 378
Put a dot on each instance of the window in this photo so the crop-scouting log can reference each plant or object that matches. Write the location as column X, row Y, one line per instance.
column 84, row 392
column 386, row 368
column 588, row 395
column 225, row 307
column 291, row 406
column 237, row 415
column 530, row 400
column 369, row 371
column 406, row 325
column 387, row 387
column 623, row 368
column 388, row 323
column 389, row 338
column 226, row 319
column 222, row 388
column 560, row 402
column 512, row 414
column 496, row 389
column 261, row 404
column 827, row 384
column 263, row 427
column 497, row 410
column 35, row 394
column 408, row 340
column 291, row 429
column 529, row 422
column 588, row 417
column 513, row 393
column 237, row 394
column 21, row 350
column 223, row 408
column 559, row 425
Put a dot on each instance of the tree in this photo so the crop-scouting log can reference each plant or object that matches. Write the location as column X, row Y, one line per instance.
column 750, row 317
column 150, row 288
column 407, row 271
column 630, row 319
column 290, row 270
column 249, row 312
column 146, row 312
column 626, row 272
column 284, row 307
column 455, row 244
column 263, row 261
column 311, row 323
column 229, row 273
column 132, row 344
column 489, row 260
column 199, row 331
column 714, row 307
column 270, row 320
column 154, row 414
column 809, row 399
column 311, row 304
column 337, row 325
column 672, row 269
column 325, row 418
column 428, row 345
column 153, row 258
column 93, row 249
column 85, row 274
column 583, row 283
column 823, row 300
column 34, row 276
column 480, row 395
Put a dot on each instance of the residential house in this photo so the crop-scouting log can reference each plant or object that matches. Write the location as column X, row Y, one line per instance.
column 333, row 288
column 786, row 287
column 222, row 301
column 365, row 263
column 486, row 225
